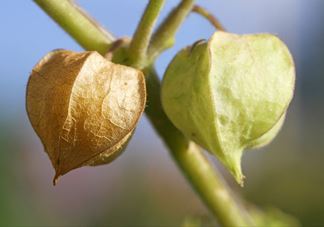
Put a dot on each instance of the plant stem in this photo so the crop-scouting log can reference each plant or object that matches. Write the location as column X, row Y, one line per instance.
column 209, row 16
column 141, row 39
column 78, row 24
column 164, row 37
column 209, row 185
column 189, row 157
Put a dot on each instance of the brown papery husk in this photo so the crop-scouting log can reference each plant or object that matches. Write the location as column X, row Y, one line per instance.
column 83, row 107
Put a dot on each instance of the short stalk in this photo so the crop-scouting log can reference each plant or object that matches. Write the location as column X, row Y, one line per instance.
column 141, row 39
column 164, row 37
column 209, row 16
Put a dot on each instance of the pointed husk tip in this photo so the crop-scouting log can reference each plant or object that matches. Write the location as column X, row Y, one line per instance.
column 233, row 164
column 56, row 178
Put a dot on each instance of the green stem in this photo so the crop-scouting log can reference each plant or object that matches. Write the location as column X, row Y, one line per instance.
column 141, row 39
column 189, row 157
column 164, row 37
column 209, row 185
column 79, row 25
column 209, row 16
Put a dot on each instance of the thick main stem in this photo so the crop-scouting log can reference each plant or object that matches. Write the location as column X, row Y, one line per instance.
column 209, row 185
column 189, row 157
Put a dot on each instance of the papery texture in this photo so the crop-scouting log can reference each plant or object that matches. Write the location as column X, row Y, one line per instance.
column 83, row 107
column 230, row 93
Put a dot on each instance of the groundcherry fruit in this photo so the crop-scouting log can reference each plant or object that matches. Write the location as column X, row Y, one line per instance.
column 230, row 93
column 83, row 107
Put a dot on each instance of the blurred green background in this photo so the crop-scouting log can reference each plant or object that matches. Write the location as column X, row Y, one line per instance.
column 143, row 187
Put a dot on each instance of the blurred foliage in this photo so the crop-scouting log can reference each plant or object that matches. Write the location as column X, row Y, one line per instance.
column 15, row 204
column 272, row 217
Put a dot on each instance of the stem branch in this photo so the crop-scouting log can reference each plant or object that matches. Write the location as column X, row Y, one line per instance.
column 209, row 16
column 164, row 37
column 78, row 24
column 140, row 42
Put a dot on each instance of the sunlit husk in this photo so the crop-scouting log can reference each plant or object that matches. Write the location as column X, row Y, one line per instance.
column 83, row 107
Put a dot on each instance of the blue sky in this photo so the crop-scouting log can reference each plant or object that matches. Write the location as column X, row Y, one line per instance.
column 28, row 34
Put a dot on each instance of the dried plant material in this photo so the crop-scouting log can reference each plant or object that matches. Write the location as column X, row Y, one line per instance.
column 83, row 107
column 230, row 93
